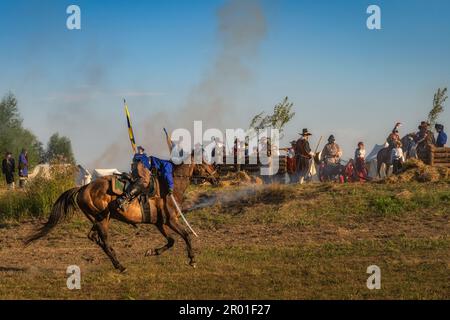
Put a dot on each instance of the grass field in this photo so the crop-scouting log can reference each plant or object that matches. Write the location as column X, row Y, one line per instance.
column 279, row 242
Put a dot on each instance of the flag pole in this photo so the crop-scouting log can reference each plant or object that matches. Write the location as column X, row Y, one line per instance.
column 169, row 141
column 130, row 128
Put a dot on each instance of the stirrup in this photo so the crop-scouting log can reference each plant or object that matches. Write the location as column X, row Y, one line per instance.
column 122, row 203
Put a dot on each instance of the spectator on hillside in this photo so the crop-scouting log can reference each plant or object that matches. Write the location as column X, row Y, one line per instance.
column 397, row 158
column 291, row 164
column 441, row 140
column 360, row 161
column 8, row 167
column 23, row 168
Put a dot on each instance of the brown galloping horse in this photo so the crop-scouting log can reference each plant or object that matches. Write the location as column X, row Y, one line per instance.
column 97, row 201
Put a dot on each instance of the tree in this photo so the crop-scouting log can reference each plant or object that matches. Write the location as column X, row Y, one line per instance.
column 282, row 114
column 13, row 137
column 438, row 105
column 59, row 149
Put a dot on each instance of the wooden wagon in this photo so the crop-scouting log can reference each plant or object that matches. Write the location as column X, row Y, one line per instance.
column 251, row 165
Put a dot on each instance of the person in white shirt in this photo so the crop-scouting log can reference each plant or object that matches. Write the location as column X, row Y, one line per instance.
column 360, row 161
column 397, row 158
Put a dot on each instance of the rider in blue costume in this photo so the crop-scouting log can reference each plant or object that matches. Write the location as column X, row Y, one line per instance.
column 165, row 168
column 142, row 179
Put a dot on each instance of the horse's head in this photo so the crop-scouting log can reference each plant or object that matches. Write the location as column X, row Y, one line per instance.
column 207, row 172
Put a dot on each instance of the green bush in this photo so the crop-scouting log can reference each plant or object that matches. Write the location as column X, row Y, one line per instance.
column 37, row 199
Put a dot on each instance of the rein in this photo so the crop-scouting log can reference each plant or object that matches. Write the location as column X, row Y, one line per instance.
column 191, row 177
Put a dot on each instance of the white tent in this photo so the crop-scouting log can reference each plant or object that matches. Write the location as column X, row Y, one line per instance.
column 84, row 177
column 41, row 170
column 104, row 172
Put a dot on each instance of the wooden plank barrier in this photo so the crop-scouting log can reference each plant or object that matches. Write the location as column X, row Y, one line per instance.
column 440, row 156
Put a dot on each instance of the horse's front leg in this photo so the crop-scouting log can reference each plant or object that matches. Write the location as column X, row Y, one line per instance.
column 181, row 231
column 102, row 229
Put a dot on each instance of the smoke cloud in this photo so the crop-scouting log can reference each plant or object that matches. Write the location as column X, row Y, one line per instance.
column 241, row 29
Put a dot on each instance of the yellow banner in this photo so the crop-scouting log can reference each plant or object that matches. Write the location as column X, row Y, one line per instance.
column 130, row 128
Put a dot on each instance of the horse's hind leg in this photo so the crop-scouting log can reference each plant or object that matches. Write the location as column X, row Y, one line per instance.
column 170, row 241
column 102, row 229
column 175, row 226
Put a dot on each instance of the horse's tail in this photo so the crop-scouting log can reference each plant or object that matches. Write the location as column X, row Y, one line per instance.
column 63, row 209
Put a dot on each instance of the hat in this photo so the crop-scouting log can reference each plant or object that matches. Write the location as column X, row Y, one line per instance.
column 331, row 138
column 293, row 142
column 439, row 126
column 305, row 132
column 423, row 124
column 140, row 148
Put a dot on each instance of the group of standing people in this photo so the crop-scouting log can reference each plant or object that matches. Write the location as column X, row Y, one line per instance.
column 301, row 157
column 9, row 169
column 418, row 144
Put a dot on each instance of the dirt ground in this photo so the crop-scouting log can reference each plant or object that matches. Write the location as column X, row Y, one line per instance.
column 292, row 246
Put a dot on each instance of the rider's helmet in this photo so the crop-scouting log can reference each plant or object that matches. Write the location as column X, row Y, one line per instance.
column 140, row 149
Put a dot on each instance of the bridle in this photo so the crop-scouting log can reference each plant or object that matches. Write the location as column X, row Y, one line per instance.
column 192, row 177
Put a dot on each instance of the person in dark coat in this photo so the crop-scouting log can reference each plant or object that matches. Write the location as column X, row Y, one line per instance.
column 8, row 167
column 304, row 155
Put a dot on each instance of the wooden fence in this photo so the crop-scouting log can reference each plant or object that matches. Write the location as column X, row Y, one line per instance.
column 440, row 157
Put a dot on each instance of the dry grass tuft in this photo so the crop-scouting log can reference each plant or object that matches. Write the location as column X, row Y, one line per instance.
column 416, row 170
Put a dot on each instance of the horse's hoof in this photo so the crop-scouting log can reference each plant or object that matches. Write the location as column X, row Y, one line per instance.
column 150, row 253
column 193, row 265
column 123, row 269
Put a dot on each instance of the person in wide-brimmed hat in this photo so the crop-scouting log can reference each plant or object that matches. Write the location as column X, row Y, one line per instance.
column 303, row 155
column 424, row 136
column 305, row 133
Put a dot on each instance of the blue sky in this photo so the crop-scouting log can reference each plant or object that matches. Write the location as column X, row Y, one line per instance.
column 343, row 78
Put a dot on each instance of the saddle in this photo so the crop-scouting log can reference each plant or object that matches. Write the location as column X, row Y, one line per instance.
column 119, row 183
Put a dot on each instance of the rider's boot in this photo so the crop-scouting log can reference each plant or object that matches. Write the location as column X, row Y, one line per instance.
column 129, row 196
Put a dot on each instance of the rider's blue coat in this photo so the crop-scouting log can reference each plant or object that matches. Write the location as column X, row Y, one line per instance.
column 165, row 167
